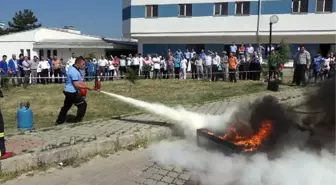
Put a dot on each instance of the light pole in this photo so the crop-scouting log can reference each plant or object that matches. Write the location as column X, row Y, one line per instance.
column 273, row 20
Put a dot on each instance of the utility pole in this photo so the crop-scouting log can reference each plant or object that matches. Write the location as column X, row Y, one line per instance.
column 258, row 23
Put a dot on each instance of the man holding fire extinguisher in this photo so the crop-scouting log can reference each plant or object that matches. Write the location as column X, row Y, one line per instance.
column 75, row 92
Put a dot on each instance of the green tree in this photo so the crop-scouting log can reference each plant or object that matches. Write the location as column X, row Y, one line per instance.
column 23, row 20
column 281, row 56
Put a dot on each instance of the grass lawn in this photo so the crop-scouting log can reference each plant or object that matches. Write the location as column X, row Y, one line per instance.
column 46, row 100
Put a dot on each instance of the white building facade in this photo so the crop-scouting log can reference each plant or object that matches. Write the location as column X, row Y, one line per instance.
column 49, row 42
column 214, row 24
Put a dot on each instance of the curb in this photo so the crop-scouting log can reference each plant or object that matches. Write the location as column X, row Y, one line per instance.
column 29, row 161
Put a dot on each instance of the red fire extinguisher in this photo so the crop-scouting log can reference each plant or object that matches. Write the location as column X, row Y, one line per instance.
column 83, row 92
column 97, row 82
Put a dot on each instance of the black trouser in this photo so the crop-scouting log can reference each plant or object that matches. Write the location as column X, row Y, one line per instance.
column 232, row 75
column 44, row 76
column 135, row 69
column 272, row 72
column 214, row 75
column 177, row 72
column 70, row 99
column 300, row 76
column 50, row 78
column 255, row 71
column 58, row 75
column 156, row 73
column 101, row 72
column 314, row 73
column 122, row 70
column 111, row 74
column 2, row 135
column 193, row 71
column 146, row 74
column 163, row 73
column 242, row 73
column 26, row 78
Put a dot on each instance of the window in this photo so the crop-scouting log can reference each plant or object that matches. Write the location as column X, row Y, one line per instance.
column 221, row 9
column 28, row 53
column 185, row 10
column 152, row 11
column 300, row 6
column 41, row 53
column 22, row 51
column 242, row 8
column 48, row 54
column 324, row 5
column 54, row 52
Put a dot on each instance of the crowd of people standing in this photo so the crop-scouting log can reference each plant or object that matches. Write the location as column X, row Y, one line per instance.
column 242, row 61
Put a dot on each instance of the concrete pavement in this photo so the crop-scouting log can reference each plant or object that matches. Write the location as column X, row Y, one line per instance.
column 53, row 145
column 122, row 168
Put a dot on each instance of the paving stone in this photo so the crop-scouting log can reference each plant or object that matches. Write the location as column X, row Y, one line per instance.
column 153, row 170
column 178, row 170
column 140, row 179
column 184, row 176
column 163, row 172
column 157, row 177
column 179, row 182
column 167, row 179
column 166, row 167
column 162, row 183
column 173, row 174
column 150, row 182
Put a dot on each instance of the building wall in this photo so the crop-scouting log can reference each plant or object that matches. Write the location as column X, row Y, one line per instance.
column 14, row 43
column 67, row 53
column 10, row 48
column 15, row 48
column 203, row 23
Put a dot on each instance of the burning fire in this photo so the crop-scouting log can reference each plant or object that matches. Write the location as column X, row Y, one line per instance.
column 249, row 143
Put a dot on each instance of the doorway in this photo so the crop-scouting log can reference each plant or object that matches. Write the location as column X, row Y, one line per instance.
column 197, row 47
column 325, row 49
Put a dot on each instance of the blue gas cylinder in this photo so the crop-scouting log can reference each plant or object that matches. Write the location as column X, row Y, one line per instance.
column 24, row 117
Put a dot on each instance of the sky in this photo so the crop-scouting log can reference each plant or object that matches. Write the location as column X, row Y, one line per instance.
column 95, row 17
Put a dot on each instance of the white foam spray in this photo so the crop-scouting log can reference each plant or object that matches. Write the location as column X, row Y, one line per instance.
column 295, row 167
column 188, row 120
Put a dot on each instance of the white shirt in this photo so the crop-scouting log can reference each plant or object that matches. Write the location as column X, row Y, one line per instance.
column 250, row 50
column 122, row 62
column 16, row 65
column 71, row 61
column 111, row 66
column 163, row 64
column 216, row 60
column 156, row 62
column 136, row 61
column 38, row 70
column 199, row 62
column 102, row 62
column 192, row 54
column 44, row 64
column 184, row 64
column 141, row 61
column 129, row 61
column 325, row 64
column 208, row 60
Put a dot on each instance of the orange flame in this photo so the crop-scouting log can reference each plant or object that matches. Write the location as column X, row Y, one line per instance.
column 251, row 143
